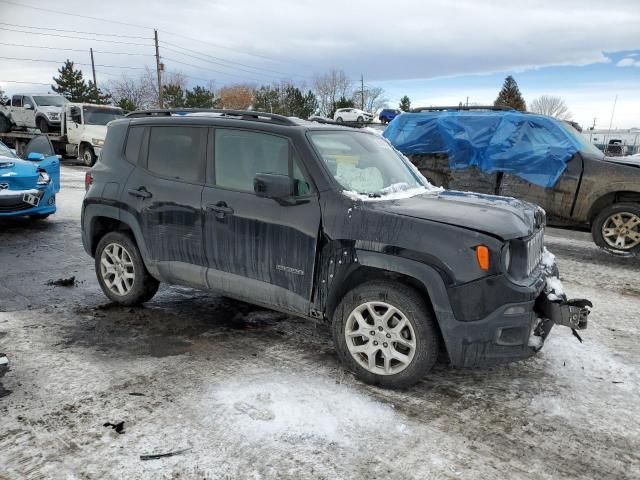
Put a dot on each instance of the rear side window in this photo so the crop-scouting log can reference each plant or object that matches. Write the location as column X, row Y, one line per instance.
column 16, row 101
column 176, row 152
column 134, row 141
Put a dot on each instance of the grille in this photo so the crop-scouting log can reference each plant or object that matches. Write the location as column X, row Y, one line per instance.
column 15, row 204
column 534, row 246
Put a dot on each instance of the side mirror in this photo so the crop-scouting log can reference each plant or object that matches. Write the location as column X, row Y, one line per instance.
column 28, row 106
column 271, row 185
column 36, row 157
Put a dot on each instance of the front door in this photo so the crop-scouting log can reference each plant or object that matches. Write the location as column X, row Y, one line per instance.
column 165, row 191
column 259, row 249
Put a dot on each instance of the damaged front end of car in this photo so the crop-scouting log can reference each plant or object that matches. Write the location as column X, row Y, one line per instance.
column 553, row 307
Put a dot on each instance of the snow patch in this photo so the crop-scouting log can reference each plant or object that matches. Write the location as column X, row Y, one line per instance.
column 394, row 195
column 293, row 407
column 548, row 258
column 554, row 289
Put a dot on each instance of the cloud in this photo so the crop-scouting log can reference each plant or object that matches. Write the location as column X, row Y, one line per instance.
column 628, row 62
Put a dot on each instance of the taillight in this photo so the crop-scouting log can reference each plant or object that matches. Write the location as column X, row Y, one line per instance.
column 88, row 180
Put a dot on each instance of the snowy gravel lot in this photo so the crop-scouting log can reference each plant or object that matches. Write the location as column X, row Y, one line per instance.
column 257, row 394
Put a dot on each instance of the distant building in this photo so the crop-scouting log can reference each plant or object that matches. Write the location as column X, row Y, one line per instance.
column 615, row 142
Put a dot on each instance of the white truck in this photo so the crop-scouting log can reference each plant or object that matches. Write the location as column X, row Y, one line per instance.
column 82, row 130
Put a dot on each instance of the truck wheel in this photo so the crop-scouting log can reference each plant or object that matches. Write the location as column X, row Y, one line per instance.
column 617, row 228
column 42, row 125
column 5, row 124
column 121, row 271
column 385, row 334
column 87, row 155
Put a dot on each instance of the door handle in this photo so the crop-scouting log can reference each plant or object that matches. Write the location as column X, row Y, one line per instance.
column 221, row 209
column 140, row 192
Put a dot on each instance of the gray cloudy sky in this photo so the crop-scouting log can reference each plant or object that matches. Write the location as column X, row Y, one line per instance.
column 435, row 51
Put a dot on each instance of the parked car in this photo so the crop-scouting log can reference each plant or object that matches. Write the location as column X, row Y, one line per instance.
column 527, row 156
column 352, row 115
column 388, row 114
column 328, row 223
column 28, row 186
column 32, row 111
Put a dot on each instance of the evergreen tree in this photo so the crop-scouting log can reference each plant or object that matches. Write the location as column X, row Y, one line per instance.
column 173, row 96
column 70, row 83
column 510, row 96
column 95, row 95
column 405, row 104
column 200, row 97
column 127, row 104
column 267, row 99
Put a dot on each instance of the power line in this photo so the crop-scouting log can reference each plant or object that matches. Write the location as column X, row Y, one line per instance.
column 71, row 14
column 26, row 83
column 216, row 63
column 143, row 27
column 70, row 36
column 210, row 69
column 75, row 63
column 74, row 49
column 74, row 31
column 223, row 60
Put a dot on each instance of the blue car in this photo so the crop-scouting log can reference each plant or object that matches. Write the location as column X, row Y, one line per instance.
column 28, row 187
column 388, row 114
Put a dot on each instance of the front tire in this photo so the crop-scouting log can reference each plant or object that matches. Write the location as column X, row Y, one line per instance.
column 87, row 155
column 339, row 119
column 617, row 229
column 385, row 334
column 360, row 120
column 121, row 271
column 43, row 125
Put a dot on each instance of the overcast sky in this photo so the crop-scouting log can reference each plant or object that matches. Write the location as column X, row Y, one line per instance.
column 437, row 52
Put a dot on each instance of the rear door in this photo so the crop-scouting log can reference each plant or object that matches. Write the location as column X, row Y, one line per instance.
column 259, row 248
column 17, row 112
column 165, row 192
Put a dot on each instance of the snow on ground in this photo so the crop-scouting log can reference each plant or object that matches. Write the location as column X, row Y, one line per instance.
column 257, row 394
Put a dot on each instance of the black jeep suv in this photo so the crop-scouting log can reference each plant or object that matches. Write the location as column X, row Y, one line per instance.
column 325, row 222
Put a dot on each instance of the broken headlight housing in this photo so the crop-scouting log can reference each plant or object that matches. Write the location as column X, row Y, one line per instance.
column 43, row 178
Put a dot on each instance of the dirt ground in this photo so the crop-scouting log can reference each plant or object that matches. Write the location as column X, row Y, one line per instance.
column 248, row 393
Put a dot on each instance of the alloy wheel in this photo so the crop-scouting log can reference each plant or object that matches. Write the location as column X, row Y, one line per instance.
column 116, row 268
column 621, row 230
column 380, row 338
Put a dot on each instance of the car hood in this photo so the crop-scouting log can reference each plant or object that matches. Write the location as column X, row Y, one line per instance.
column 50, row 109
column 23, row 174
column 633, row 161
column 502, row 217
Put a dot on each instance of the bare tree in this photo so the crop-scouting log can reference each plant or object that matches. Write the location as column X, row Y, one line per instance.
column 552, row 106
column 142, row 92
column 374, row 99
column 329, row 87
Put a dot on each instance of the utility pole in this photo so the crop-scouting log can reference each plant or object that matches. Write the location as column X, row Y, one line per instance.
column 159, row 69
column 362, row 92
column 613, row 111
column 93, row 68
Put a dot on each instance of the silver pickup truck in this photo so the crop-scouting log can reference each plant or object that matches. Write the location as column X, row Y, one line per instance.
column 32, row 111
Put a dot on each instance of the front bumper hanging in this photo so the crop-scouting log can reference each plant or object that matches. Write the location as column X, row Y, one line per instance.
column 572, row 313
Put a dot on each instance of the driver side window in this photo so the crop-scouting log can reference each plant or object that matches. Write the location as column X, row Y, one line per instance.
column 239, row 155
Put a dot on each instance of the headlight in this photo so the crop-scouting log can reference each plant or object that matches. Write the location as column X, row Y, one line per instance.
column 98, row 142
column 43, row 178
column 506, row 258
column 52, row 115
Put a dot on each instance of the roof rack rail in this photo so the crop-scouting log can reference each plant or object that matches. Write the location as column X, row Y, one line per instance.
column 498, row 108
column 328, row 121
column 236, row 114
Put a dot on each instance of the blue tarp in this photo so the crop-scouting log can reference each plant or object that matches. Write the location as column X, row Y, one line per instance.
column 533, row 147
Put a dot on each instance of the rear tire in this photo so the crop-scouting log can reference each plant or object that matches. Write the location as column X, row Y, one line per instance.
column 121, row 271
column 43, row 125
column 87, row 155
column 616, row 229
column 395, row 351
column 5, row 124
